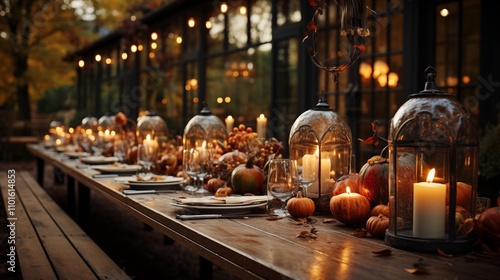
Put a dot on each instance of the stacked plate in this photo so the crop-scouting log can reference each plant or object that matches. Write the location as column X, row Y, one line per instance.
column 155, row 181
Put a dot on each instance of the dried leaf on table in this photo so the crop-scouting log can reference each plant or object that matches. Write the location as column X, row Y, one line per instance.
column 360, row 233
column 417, row 270
column 328, row 221
column 442, row 253
column 308, row 234
column 274, row 218
column 384, row 252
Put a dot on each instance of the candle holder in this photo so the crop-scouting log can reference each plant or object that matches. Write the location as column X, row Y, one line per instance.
column 154, row 126
column 433, row 169
column 204, row 128
column 321, row 142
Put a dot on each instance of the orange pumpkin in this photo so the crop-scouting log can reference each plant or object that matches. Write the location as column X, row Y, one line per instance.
column 300, row 207
column 376, row 225
column 488, row 228
column 350, row 181
column 350, row 208
column 380, row 209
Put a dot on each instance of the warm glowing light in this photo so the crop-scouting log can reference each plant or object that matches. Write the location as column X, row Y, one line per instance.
column 223, row 8
column 243, row 10
column 227, row 99
column 133, row 48
column 452, row 81
column 164, row 101
column 151, row 55
column 187, row 87
column 133, row 18
column 98, row 57
column 140, row 48
column 208, row 24
column 108, row 60
column 365, row 70
column 193, row 82
column 124, row 55
column 178, row 40
column 348, row 190
column 430, row 176
column 154, row 45
column 81, row 63
column 444, row 12
column 195, row 100
column 154, row 35
column 466, row 79
column 220, row 100
column 191, row 22
column 71, row 130
column 392, row 79
column 380, row 68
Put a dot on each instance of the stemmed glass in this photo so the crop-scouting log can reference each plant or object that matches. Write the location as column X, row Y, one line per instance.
column 119, row 149
column 197, row 164
column 146, row 155
column 308, row 174
column 282, row 182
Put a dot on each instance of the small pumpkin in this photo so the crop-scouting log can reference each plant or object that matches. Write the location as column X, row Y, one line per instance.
column 300, row 207
column 376, row 225
column 380, row 209
column 374, row 180
column 350, row 208
column 247, row 178
column 488, row 228
column 224, row 192
column 214, row 184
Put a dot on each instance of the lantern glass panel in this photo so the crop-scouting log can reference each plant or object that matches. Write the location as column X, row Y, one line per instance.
column 433, row 154
column 204, row 128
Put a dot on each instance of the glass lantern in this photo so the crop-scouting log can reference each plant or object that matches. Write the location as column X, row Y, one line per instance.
column 204, row 130
column 154, row 126
column 106, row 128
column 433, row 173
column 321, row 142
column 89, row 122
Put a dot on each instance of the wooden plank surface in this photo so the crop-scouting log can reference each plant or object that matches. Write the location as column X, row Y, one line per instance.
column 30, row 253
column 259, row 248
column 101, row 264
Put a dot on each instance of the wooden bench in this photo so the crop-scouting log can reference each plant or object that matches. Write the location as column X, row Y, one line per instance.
column 48, row 243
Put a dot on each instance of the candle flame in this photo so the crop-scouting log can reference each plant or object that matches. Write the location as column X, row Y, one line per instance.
column 348, row 190
column 229, row 117
column 262, row 116
column 148, row 137
column 204, row 144
column 430, row 176
column 317, row 152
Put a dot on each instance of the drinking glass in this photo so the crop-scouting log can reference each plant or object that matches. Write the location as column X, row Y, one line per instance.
column 197, row 164
column 282, row 182
column 146, row 155
column 119, row 149
column 308, row 174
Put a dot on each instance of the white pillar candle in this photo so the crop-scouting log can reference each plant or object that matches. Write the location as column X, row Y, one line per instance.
column 261, row 126
column 148, row 142
column 229, row 123
column 309, row 167
column 429, row 208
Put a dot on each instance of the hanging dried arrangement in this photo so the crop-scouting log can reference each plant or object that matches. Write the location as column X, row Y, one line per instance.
column 353, row 26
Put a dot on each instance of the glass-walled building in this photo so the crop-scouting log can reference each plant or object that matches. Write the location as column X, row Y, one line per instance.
column 249, row 57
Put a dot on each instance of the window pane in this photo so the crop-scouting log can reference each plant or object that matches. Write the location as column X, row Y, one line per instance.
column 260, row 19
column 215, row 33
column 237, row 28
column 288, row 11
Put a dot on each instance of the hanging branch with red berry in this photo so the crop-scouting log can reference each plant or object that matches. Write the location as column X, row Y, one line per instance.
column 375, row 138
column 353, row 27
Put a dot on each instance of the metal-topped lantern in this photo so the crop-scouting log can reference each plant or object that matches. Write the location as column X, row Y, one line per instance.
column 433, row 173
column 204, row 128
column 153, row 125
column 106, row 122
column 320, row 138
column 89, row 122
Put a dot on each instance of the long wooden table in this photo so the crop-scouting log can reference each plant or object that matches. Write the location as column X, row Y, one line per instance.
column 258, row 248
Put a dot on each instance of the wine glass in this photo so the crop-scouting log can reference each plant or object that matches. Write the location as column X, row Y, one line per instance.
column 308, row 173
column 119, row 149
column 282, row 182
column 146, row 155
column 200, row 165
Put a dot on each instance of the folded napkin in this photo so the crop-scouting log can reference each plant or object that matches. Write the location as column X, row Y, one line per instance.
column 208, row 200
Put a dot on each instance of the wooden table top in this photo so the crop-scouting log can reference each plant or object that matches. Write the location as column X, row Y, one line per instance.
column 259, row 248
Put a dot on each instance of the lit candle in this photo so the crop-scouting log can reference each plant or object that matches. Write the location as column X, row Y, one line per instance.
column 429, row 208
column 326, row 166
column 261, row 126
column 229, row 123
column 202, row 151
column 148, row 142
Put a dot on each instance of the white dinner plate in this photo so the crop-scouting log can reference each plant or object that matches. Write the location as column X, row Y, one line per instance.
column 165, row 181
column 98, row 160
column 122, row 168
column 74, row 155
column 220, row 208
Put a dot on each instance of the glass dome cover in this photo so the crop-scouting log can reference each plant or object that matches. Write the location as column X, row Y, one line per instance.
column 106, row 122
column 322, row 132
column 432, row 131
column 204, row 127
column 153, row 125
